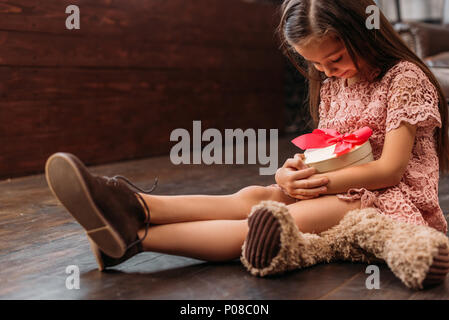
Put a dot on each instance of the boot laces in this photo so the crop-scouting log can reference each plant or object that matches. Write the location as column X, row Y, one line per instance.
column 115, row 183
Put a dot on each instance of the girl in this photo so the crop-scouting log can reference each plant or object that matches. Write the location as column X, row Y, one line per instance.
column 382, row 209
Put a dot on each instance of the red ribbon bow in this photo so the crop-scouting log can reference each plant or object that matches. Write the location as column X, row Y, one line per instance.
column 321, row 138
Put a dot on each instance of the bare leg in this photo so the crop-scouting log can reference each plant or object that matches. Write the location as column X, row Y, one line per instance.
column 320, row 214
column 212, row 240
column 183, row 208
column 221, row 240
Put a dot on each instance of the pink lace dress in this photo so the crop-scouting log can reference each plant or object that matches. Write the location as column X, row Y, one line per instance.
column 403, row 94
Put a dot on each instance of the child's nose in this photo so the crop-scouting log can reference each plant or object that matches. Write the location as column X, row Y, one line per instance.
column 330, row 72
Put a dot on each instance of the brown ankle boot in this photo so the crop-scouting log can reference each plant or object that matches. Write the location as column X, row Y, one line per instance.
column 104, row 261
column 106, row 208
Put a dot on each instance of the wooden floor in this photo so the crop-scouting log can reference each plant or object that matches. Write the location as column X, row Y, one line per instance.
column 39, row 239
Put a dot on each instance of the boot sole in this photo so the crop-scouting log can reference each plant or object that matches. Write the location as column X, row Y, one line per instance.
column 263, row 239
column 97, row 254
column 67, row 184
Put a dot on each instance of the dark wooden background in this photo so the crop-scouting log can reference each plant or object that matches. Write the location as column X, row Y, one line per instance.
column 136, row 70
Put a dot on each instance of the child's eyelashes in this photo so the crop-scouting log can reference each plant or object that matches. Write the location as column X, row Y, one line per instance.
column 333, row 61
column 338, row 60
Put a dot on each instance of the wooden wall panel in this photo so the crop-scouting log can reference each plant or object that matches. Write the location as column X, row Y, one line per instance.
column 17, row 84
column 221, row 22
column 19, row 49
column 136, row 70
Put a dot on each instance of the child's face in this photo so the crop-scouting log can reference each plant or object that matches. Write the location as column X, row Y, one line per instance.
column 329, row 55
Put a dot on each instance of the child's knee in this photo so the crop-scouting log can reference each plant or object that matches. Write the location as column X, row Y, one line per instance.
column 260, row 193
column 256, row 193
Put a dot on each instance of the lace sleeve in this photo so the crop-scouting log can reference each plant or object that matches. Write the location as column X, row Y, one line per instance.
column 412, row 98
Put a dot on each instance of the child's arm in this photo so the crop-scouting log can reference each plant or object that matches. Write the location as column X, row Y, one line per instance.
column 382, row 173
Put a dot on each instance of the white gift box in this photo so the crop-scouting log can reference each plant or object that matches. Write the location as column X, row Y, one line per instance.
column 324, row 159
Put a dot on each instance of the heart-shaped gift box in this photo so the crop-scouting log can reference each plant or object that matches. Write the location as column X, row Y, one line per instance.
column 328, row 150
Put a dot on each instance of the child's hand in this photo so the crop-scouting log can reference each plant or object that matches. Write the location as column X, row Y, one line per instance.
column 292, row 178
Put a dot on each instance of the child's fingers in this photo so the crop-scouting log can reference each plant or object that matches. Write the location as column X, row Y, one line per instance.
column 309, row 183
column 301, row 158
column 303, row 173
column 301, row 197
column 308, row 192
column 297, row 162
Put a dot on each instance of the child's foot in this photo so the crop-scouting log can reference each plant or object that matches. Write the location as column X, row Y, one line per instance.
column 105, row 207
column 104, row 261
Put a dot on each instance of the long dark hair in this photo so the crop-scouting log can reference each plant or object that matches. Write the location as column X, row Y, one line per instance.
column 381, row 49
